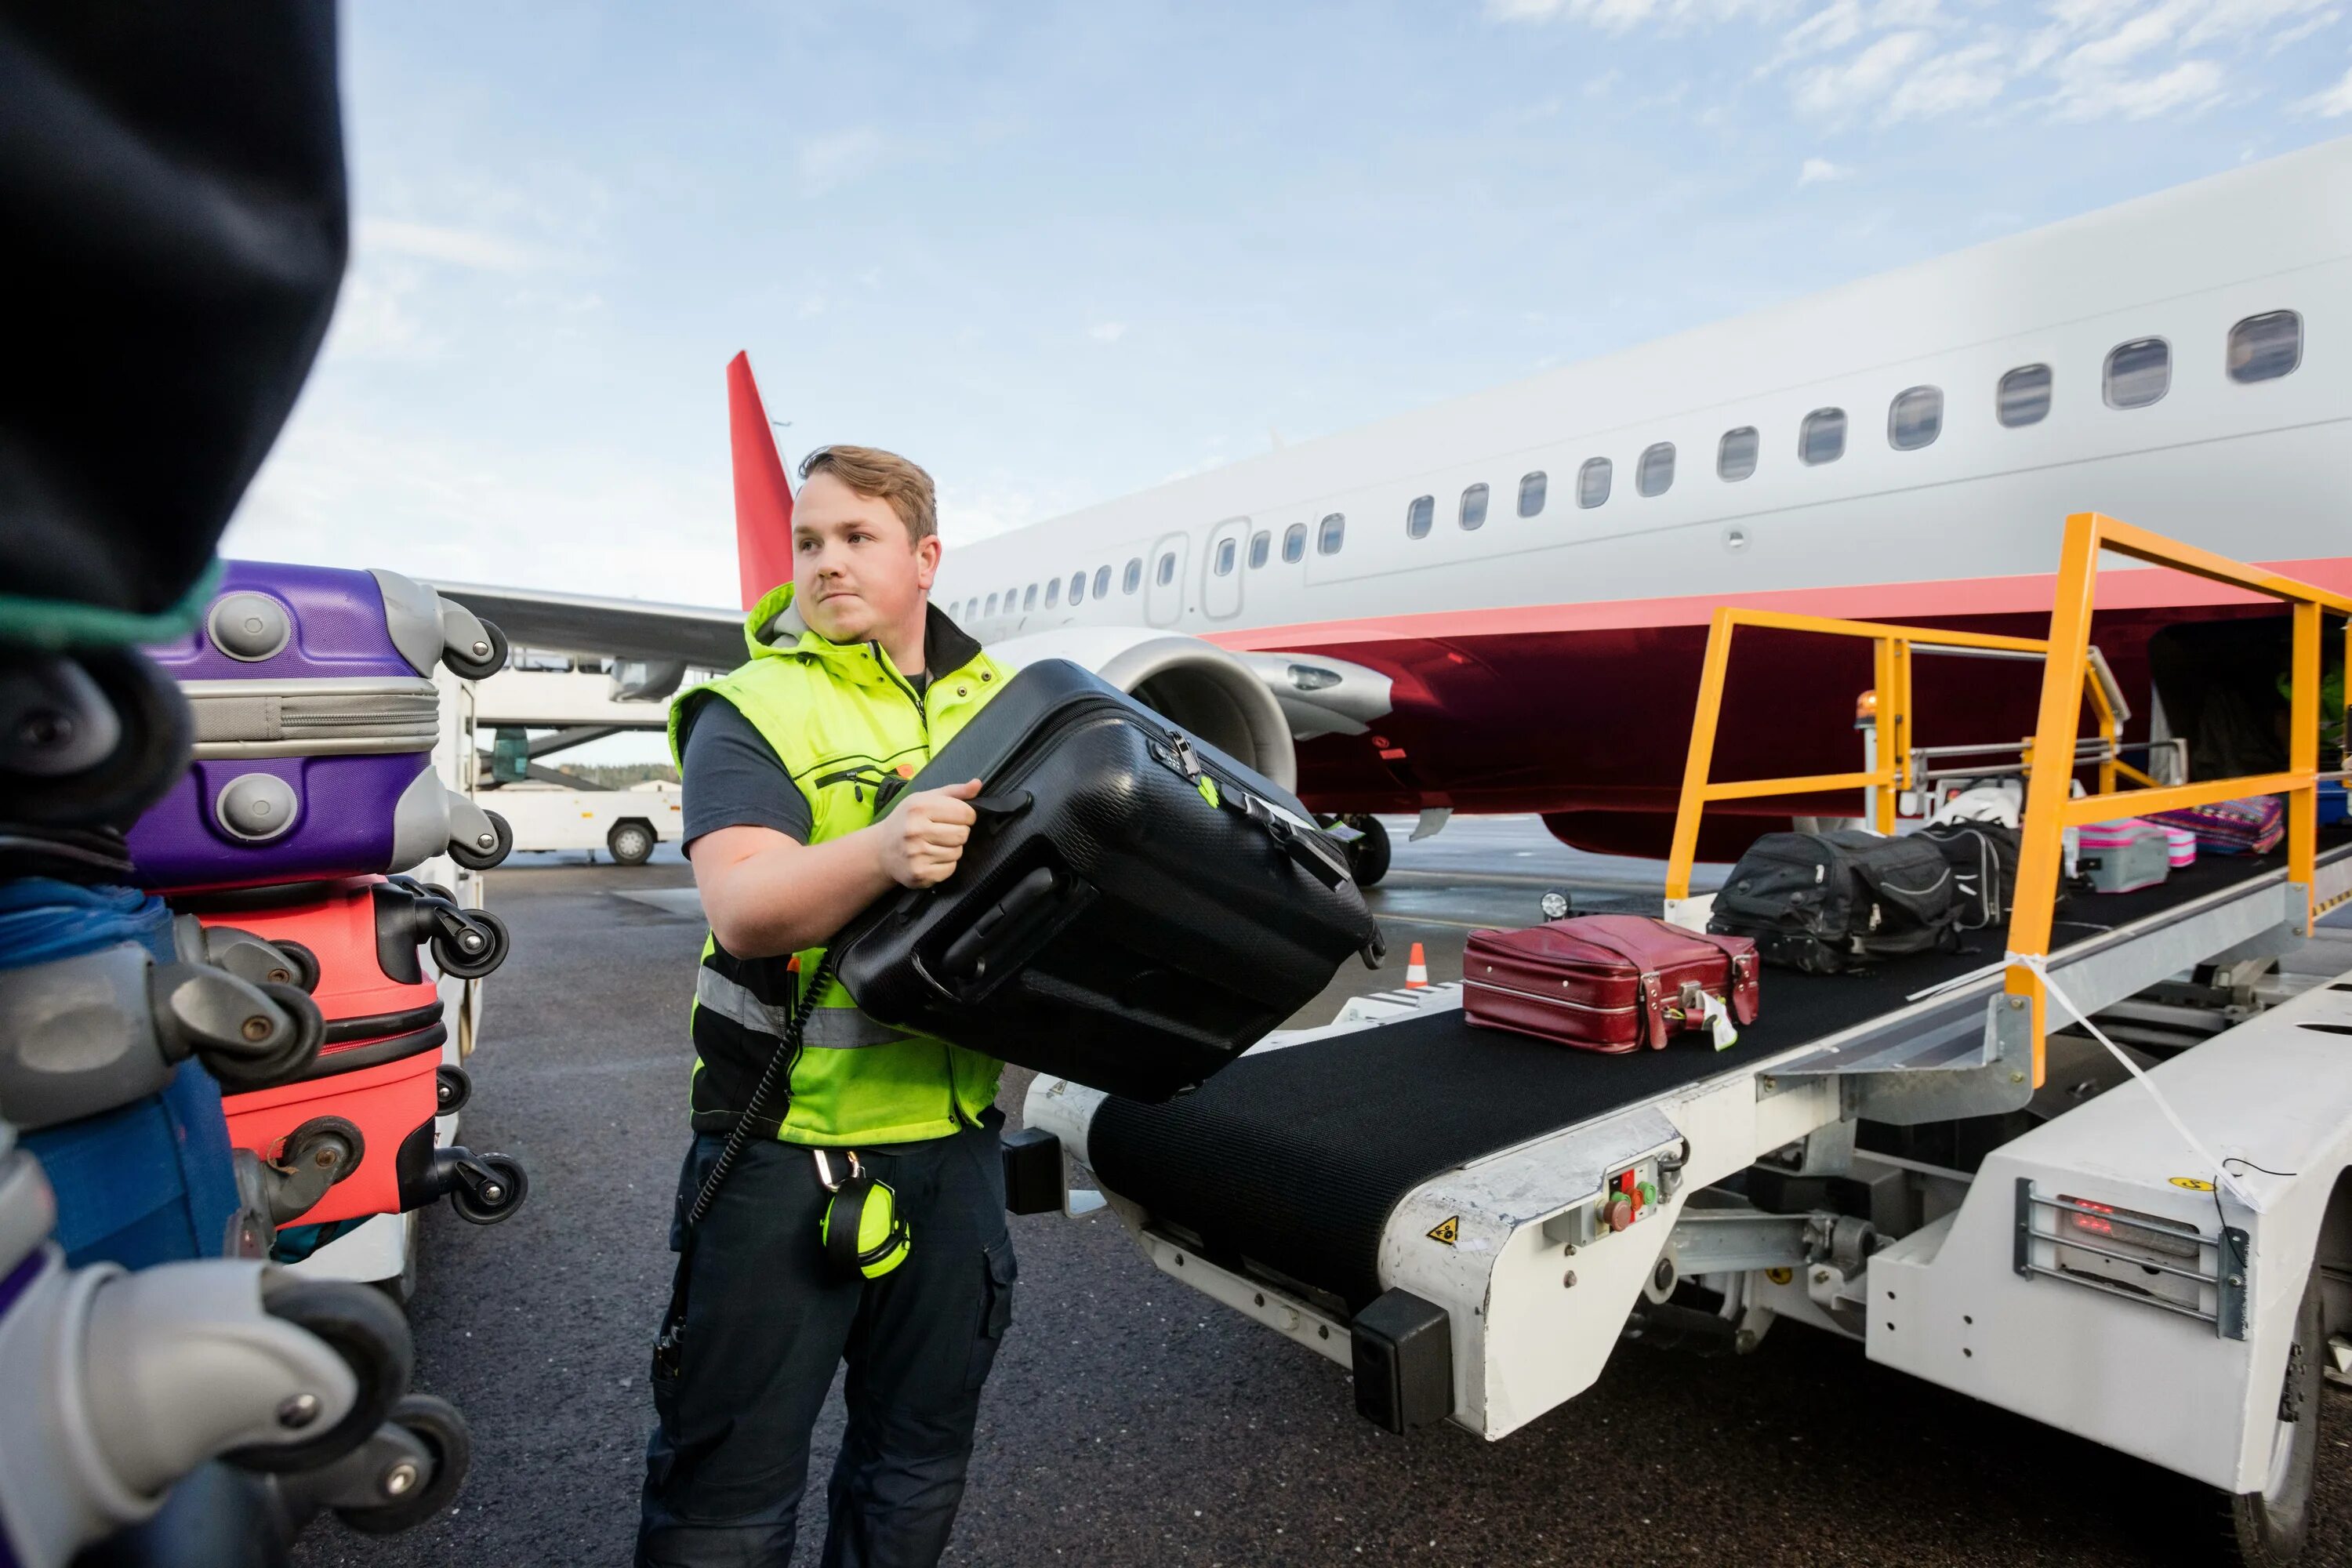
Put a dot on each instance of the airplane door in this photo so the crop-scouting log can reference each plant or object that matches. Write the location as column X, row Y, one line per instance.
column 1221, row 569
column 1164, row 580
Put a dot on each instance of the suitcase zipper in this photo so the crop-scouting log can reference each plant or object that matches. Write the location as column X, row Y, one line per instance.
column 1549, row 1000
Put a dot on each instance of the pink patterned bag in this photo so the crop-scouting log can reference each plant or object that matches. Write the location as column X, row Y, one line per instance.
column 2253, row 826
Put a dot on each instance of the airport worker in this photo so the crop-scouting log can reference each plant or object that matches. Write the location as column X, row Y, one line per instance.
column 855, row 679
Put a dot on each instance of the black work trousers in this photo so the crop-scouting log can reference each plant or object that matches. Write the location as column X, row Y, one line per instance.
column 767, row 1324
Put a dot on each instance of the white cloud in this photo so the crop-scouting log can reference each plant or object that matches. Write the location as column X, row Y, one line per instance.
column 1107, row 332
column 2189, row 84
column 1623, row 15
column 1963, row 78
column 435, row 242
column 2332, row 104
column 837, row 158
column 1838, row 90
column 1821, row 172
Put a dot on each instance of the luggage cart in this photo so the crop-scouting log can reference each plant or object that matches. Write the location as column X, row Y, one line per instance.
column 1922, row 1158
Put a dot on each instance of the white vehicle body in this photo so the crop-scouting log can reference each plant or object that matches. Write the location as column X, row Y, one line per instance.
column 1989, row 1294
column 548, row 817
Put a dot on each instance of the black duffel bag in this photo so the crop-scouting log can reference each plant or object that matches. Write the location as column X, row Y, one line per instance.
column 1134, row 908
column 1983, row 857
column 1826, row 902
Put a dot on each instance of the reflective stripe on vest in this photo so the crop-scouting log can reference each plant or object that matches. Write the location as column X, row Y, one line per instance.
column 831, row 1028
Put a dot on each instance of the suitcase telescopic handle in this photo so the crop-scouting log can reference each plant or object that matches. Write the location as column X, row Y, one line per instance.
column 1002, row 927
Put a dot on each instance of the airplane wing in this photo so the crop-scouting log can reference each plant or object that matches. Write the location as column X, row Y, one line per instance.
column 706, row 638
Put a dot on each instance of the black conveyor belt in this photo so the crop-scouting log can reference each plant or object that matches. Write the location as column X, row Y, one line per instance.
column 1295, row 1157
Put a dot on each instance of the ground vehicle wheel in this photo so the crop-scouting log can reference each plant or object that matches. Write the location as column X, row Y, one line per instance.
column 1367, row 857
column 364, row 1328
column 2267, row 1529
column 514, row 1186
column 469, row 669
column 455, row 961
column 632, row 843
column 475, row 859
column 436, row 1425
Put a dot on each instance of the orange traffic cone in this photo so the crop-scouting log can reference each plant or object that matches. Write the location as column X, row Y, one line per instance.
column 1416, row 970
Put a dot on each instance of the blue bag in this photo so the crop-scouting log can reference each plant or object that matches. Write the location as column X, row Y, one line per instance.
column 149, row 1182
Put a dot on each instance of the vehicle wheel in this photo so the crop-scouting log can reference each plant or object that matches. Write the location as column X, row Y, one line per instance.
column 514, row 1186
column 632, row 843
column 435, row 1423
column 482, row 668
column 1367, row 857
column 364, row 1328
column 455, row 961
column 478, row 860
column 2268, row 1529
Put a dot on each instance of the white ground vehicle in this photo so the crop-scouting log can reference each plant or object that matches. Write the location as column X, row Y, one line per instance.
column 1954, row 1175
column 624, row 822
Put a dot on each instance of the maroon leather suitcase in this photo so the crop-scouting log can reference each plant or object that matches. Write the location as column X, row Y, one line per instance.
column 1605, row 982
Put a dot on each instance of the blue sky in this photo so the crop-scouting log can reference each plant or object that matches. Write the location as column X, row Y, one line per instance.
column 1059, row 253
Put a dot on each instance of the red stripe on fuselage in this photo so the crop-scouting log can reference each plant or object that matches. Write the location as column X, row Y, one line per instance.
column 2137, row 589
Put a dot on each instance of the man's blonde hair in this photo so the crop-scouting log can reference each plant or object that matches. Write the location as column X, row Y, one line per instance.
column 878, row 475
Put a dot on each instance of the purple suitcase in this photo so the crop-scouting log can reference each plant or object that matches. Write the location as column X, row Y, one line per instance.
column 316, row 716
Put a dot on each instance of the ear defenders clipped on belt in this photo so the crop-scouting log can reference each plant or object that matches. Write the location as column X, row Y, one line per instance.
column 862, row 1231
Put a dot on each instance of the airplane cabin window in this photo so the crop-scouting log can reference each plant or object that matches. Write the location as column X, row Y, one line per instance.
column 1052, row 591
column 1227, row 550
column 1419, row 516
column 1078, row 587
column 2138, row 372
column 1822, row 438
column 1166, row 571
column 1654, row 474
column 1260, row 542
column 1734, row 455
column 1474, row 508
column 1592, row 483
column 1914, row 419
column 1330, row 534
column 1102, row 582
column 1294, row 543
column 1029, row 599
column 2265, row 347
column 2025, row 395
column 1133, row 578
column 992, row 604
column 1531, row 494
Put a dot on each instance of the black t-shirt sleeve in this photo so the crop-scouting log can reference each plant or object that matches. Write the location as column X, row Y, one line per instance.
column 732, row 778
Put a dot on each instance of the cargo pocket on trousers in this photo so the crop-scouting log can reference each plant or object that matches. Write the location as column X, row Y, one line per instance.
column 998, row 1271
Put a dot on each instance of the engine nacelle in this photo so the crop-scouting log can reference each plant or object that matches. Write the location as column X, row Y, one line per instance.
column 1210, row 692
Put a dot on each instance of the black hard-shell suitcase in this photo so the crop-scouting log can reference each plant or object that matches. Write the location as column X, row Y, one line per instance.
column 1133, row 911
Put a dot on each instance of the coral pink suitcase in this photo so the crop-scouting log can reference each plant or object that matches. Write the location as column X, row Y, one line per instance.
column 1607, row 982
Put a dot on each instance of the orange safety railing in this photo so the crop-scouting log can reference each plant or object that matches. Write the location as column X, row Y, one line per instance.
column 2070, row 674
column 1893, row 772
column 2049, row 811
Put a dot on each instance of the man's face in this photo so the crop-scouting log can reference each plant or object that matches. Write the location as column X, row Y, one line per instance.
column 854, row 575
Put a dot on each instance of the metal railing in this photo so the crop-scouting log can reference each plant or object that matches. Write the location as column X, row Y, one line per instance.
column 2049, row 811
column 2073, row 673
column 1894, row 758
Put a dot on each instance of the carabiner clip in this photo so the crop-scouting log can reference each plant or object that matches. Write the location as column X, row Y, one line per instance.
column 825, row 1169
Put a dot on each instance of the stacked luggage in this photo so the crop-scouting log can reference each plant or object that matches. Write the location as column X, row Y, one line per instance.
column 311, row 792
column 132, row 1238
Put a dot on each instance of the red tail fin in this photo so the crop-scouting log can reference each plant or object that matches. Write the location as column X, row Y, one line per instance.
column 764, row 497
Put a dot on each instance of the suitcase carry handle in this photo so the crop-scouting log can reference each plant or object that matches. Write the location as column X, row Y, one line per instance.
column 1012, row 803
column 1007, row 927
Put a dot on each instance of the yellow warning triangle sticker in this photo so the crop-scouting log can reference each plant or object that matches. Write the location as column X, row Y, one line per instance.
column 1449, row 1231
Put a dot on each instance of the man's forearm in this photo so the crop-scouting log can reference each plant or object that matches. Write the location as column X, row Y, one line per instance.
column 782, row 896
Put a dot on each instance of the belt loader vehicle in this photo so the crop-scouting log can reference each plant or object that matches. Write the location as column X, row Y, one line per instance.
column 2148, row 1244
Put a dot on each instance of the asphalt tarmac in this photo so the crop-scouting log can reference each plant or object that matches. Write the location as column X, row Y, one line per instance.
column 1130, row 1421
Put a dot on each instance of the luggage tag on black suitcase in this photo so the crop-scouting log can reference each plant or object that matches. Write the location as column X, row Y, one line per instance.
column 1133, row 911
